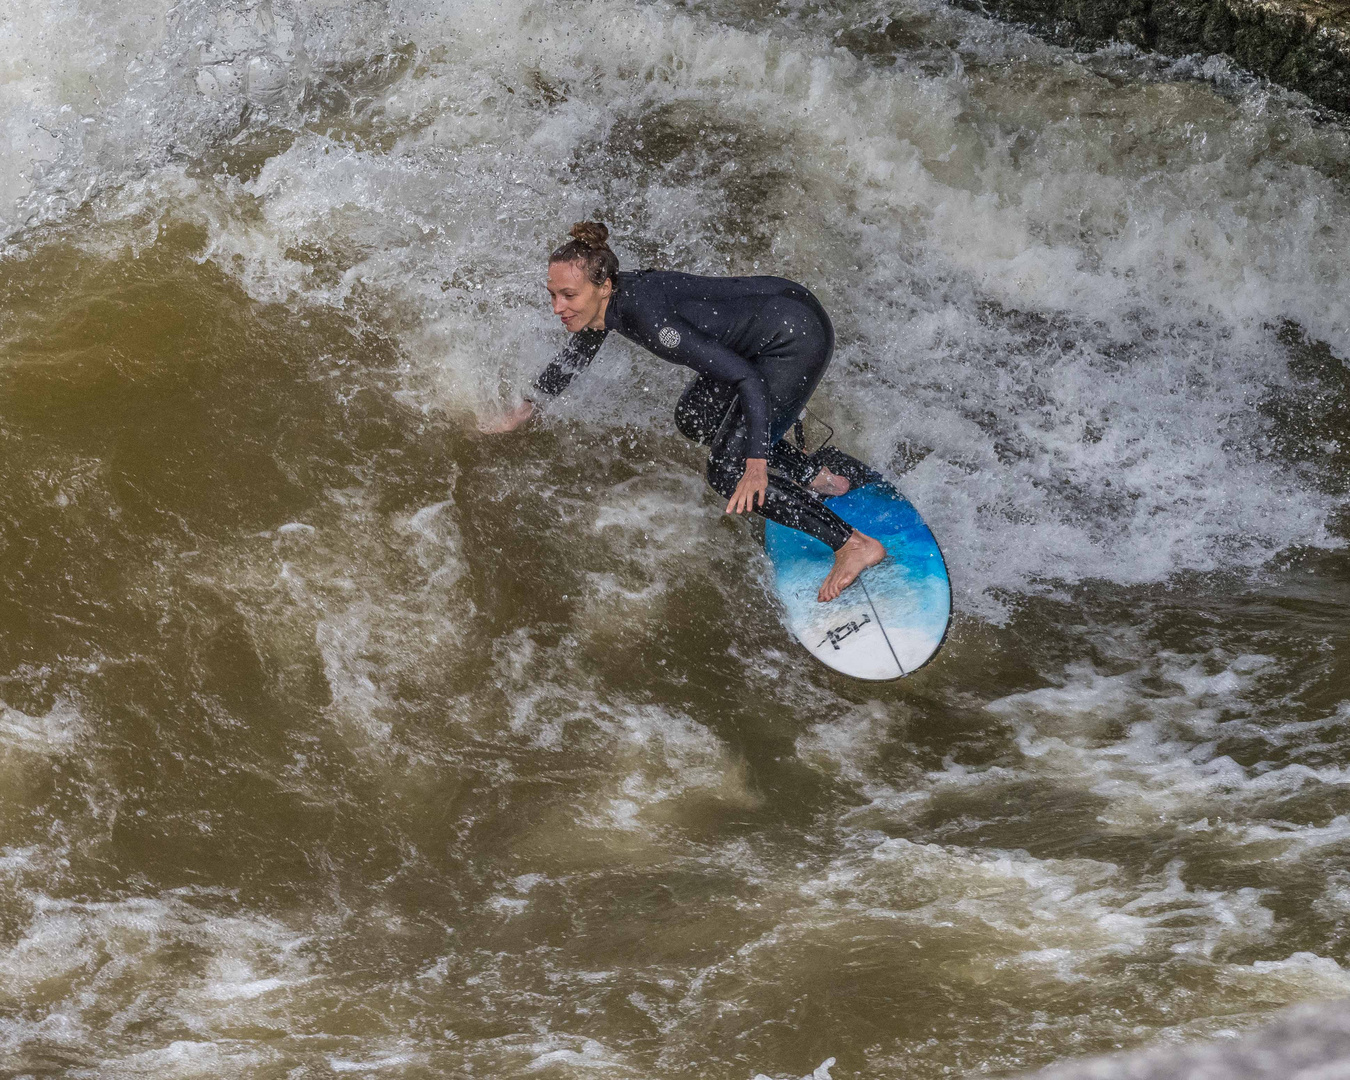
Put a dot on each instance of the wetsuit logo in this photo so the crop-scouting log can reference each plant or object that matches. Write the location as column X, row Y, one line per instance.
column 668, row 336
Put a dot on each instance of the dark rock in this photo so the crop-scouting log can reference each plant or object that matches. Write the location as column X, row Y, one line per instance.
column 1301, row 44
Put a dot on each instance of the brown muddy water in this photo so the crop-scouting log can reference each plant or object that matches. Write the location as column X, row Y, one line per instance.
column 338, row 739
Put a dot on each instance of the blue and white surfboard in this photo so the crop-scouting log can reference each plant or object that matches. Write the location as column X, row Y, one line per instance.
column 890, row 621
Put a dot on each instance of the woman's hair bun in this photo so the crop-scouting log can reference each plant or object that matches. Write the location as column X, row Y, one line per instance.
column 589, row 246
column 591, row 234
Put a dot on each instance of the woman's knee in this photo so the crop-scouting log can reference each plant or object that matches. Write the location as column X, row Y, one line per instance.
column 723, row 475
column 702, row 408
column 691, row 421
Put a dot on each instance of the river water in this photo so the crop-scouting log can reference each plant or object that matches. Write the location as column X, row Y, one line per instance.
column 338, row 739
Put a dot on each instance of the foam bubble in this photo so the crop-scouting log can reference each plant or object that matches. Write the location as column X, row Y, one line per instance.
column 1153, row 756
column 393, row 1059
column 76, row 960
column 53, row 733
column 821, row 1072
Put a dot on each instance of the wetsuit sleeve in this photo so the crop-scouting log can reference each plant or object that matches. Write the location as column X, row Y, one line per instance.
column 708, row 356
column 575, row 357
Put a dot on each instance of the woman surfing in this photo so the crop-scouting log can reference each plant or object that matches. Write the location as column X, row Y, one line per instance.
column 759, row 345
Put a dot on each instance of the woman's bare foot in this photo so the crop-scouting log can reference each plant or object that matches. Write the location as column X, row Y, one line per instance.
column 828, row 483
column 858, row 553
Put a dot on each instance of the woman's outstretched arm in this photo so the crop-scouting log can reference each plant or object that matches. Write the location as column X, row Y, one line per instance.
column 574, row 358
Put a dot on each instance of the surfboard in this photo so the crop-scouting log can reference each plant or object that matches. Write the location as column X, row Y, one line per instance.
column 893, row 618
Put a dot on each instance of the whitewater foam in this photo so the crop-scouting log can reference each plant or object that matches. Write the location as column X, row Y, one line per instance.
column 1073, row 343
column 1060, row 313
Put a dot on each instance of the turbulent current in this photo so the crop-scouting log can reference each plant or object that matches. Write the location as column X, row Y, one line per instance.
column 339, row 739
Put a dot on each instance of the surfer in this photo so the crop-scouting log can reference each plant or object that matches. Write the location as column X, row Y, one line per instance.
column 759, row 345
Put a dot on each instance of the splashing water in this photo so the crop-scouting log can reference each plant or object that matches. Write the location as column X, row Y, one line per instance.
column 335, row 737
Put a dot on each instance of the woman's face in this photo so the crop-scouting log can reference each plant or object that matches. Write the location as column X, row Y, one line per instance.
column 577, row 300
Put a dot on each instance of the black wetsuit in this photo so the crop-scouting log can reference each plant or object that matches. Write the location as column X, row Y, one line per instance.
column 759, row 345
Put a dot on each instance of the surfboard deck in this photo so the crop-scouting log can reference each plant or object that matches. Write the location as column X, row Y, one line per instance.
column 889, row 622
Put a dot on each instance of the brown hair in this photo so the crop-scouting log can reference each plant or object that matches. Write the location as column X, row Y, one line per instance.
column 590, row 247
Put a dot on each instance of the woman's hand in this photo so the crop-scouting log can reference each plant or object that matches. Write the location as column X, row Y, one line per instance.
column 509, row 422
column 754, row 483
